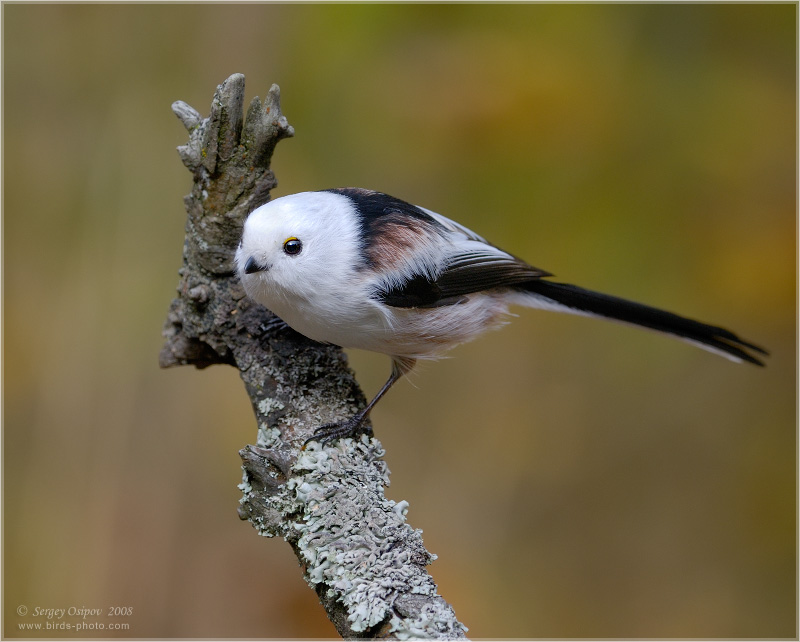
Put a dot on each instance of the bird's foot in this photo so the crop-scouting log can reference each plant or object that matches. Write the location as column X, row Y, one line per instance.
column 352, row 427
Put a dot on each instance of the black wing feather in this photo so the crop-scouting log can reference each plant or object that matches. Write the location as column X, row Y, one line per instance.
column 463, row 274
column 417, row 292
column 476, row 272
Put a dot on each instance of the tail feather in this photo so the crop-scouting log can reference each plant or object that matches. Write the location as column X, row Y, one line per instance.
column 570, row 298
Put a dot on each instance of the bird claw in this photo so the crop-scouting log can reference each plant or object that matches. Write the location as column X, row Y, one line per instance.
column 352, row 427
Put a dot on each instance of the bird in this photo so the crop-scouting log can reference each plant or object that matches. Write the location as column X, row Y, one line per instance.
column 361, row 269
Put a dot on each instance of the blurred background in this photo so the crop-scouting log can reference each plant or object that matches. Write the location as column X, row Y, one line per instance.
column 576, row 478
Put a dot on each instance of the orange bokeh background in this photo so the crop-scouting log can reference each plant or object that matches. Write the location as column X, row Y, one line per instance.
column 576, row 478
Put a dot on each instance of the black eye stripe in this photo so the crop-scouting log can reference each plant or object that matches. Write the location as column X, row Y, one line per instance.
column 292, row 246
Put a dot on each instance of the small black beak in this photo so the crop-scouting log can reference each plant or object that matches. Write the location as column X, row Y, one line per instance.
column 251, row 266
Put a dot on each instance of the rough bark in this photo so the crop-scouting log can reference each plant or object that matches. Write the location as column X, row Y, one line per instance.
column 354, row 546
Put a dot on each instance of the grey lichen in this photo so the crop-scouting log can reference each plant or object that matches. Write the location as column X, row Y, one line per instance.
column 417, row 619
column 355, row 544
column 354, row 557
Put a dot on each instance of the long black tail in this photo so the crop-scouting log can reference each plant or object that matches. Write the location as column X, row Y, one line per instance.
column 570, row 298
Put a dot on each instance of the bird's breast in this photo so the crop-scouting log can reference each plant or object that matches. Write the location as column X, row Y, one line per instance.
column 352, row 319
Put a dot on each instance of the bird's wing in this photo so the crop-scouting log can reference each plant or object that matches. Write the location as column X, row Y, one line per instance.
column 427, row 260
column 472, row 266
column 483, row 267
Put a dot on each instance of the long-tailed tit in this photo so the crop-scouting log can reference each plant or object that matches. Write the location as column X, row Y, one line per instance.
column 361, row 269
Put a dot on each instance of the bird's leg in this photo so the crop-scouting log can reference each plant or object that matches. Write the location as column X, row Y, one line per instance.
column 354, row 426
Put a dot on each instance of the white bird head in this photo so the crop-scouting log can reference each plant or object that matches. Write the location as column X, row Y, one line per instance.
column 298, row 246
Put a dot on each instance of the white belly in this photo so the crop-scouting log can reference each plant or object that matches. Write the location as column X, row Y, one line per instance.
column 418, row 333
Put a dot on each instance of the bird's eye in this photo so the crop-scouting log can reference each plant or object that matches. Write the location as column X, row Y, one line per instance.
column 292, row 246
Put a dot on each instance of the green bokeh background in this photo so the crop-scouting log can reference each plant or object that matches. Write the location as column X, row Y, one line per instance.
column 575, row 478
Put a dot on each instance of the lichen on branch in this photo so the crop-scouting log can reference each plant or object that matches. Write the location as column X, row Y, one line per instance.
column 354, row 545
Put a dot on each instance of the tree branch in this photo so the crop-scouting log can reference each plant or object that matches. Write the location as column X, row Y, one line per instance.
column 366, row 564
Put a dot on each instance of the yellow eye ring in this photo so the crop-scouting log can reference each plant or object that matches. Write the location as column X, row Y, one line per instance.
column 292, row 246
